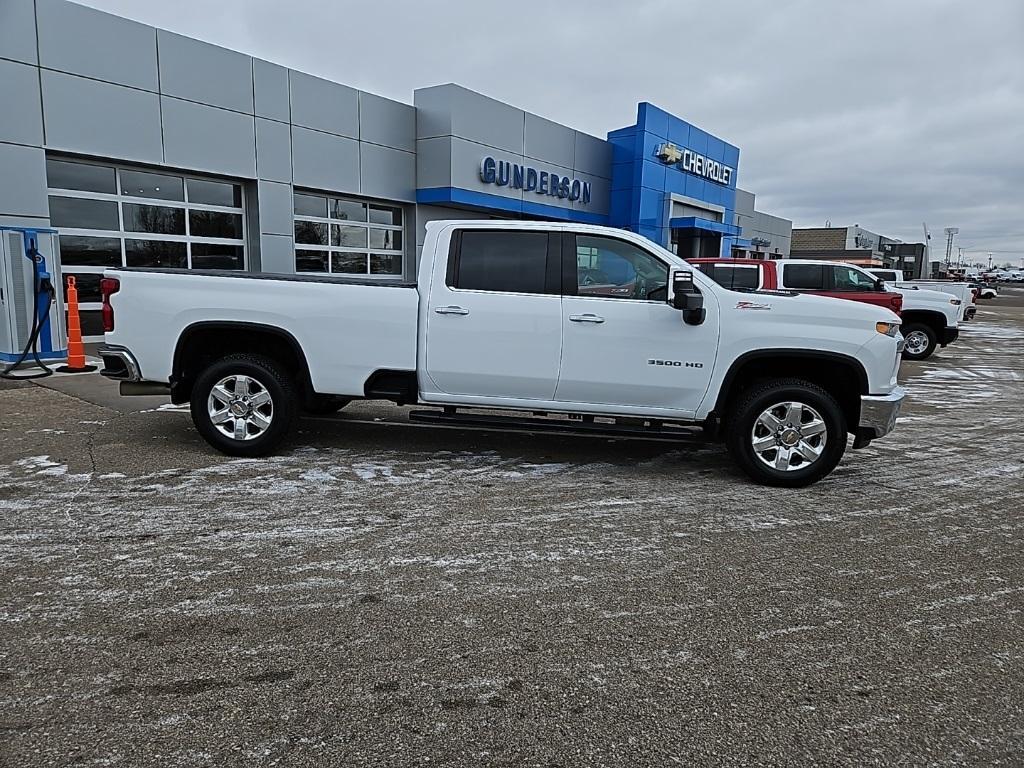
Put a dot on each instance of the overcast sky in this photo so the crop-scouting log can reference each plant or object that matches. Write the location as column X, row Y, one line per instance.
column 883, row 113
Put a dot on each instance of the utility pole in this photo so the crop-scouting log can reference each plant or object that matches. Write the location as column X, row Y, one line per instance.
column 951, row 232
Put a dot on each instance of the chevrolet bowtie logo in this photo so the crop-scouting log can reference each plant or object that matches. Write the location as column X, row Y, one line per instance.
column 669, row 153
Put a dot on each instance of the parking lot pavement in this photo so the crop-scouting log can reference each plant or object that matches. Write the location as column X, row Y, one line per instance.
column 391, row 594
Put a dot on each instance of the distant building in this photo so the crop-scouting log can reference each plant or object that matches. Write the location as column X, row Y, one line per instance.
column 762, row 236
column 853, row 244
column 911, row 259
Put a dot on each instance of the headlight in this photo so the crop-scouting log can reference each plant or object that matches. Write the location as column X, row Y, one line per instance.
column 889, row 329
column 955, row 302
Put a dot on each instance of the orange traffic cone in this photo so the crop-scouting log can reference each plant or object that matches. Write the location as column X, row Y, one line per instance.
column 76, row 350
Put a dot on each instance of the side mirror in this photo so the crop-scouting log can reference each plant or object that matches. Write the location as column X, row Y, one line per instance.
column 687, row 298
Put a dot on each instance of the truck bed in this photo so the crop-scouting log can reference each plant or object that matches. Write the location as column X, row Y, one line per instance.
column 347, row 328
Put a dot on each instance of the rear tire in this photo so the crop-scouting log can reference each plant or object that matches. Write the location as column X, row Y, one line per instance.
column 919, row 341
column 243, row 405
column 786, row 432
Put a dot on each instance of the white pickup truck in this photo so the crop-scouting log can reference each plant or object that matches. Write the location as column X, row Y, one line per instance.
column 962, row 292
column 573, row 325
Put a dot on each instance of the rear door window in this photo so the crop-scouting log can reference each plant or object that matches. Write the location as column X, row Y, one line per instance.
column 804, row 277
column 736, row 277
column 509, row 262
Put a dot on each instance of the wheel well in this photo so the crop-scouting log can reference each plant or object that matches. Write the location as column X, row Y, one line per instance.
column 203, row 343
column 842, row 377
column 934, row 320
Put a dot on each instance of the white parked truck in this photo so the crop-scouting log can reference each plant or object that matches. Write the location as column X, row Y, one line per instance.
column 566, row 324
column 960, row 291
column 931, row 315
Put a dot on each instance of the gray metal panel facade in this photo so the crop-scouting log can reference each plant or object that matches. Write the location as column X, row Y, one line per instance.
column 324, row 106
column 547, row 141
column 387, row 173
column 385, row 122
column 83, row 41
column 21, row 119
column 213, row 139
column 456, row 128
column 270, row 90
column 23, row 182
column 197, row 71
column 324, row 161
column 273, row 150
column 118, row 90
column 18, row 31
column 275, row 202
column 103, row 119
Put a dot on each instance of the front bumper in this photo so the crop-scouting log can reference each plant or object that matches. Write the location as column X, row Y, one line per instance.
column 878, row 413
column 949, row 335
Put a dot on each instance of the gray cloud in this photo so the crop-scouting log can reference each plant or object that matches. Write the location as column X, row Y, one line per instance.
column 882, row 113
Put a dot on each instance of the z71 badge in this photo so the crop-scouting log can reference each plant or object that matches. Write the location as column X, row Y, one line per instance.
column 752, row 305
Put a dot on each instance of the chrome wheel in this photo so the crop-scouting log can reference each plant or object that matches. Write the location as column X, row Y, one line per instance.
column 240, row 407
column 915, row 343
column 789, row 436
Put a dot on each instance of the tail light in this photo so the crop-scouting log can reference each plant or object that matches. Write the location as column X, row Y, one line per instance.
column 896, row 302
column 108, row 287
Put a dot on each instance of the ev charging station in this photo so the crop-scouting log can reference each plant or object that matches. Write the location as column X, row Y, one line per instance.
column 31, row 300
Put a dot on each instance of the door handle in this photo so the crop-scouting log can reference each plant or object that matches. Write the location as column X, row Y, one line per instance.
column 587, row 318
column 451, row 311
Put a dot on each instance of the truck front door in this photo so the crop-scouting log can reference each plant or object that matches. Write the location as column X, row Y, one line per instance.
column 623, row 345
column 493, row 317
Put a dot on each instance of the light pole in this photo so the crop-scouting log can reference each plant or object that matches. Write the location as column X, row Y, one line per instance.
column 990, row 262
column 951, row 232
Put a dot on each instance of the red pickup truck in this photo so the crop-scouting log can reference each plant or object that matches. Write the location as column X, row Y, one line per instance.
column 822, row 278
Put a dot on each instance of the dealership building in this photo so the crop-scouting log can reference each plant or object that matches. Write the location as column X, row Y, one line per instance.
column 146, row 148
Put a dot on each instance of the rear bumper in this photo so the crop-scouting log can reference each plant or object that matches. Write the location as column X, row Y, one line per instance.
column 948, row 335
column 119, row 364
column 970, row 312
column 878, row 413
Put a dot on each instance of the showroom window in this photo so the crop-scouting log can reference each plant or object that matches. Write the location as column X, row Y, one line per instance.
column 347, row 236
column 109, row 216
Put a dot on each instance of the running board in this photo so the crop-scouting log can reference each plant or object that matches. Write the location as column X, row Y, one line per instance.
column 572, row 425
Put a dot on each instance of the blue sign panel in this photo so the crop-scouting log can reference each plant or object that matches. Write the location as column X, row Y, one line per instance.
column 503, row 173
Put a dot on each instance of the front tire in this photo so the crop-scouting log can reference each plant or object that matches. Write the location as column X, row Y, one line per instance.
column 786, row 432
column 243, row 405
column 919, row 341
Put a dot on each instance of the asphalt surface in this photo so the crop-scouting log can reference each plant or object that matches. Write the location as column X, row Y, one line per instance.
column 394, row 595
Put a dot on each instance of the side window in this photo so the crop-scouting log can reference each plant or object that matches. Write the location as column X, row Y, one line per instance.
column 852, row 279
column 511, row 262
column 736, row 277
column 804, row 277
column 610, row 268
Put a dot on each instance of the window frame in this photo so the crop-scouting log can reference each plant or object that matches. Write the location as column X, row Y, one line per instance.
column 570, row 279
column 366, row 226
column 826, row 277
column 708, row 269
column 552, row 259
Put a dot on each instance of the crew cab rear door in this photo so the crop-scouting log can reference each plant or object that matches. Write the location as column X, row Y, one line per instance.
column 493, row 321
